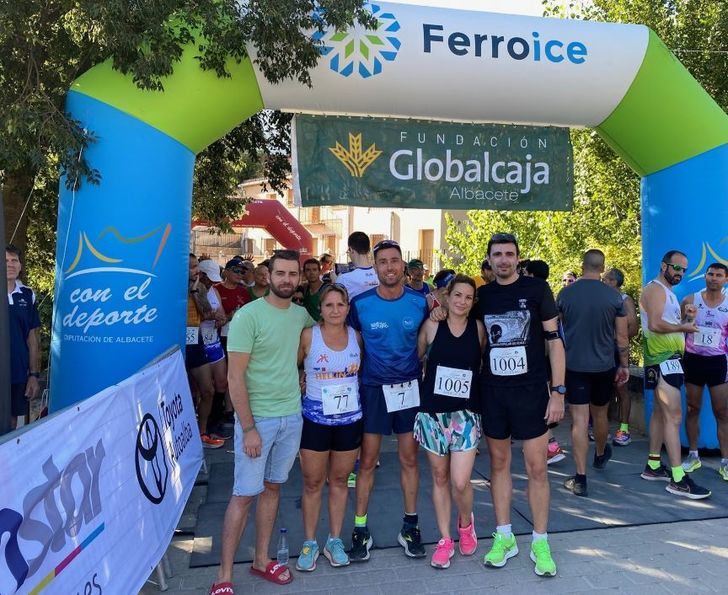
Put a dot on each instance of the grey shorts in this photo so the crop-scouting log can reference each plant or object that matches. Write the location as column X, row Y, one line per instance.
column 281, row 437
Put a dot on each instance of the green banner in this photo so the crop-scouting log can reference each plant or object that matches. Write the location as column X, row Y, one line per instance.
column 377, row 162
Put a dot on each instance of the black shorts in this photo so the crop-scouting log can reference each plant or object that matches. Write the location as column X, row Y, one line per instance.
column 515, row 411
column 584, row 388
column 377, row 420
column 19, row 404
column 323, row 438
column 653, row 373
column 702, row 370
column 195, row 355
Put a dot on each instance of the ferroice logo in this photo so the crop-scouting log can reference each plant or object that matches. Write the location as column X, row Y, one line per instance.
column 354, row 159
column 151, row 461
column 361, row 50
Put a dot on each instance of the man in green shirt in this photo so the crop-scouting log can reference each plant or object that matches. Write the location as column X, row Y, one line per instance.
column 312, row 273
column 263, row 381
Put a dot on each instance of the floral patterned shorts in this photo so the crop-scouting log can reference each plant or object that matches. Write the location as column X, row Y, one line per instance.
column 442, row 433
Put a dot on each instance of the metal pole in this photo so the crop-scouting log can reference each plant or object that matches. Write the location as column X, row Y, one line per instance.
column 4, row 337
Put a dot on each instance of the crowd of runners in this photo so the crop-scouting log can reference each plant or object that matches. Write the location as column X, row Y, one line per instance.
column 377, row 351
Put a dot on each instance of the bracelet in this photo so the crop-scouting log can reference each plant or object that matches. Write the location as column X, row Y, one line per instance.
column 34, row 374
column 248, row 429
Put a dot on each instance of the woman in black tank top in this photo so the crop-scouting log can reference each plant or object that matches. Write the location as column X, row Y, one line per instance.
column 448, row 424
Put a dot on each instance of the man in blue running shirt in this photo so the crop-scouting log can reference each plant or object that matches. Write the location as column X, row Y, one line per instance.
column 388, row 318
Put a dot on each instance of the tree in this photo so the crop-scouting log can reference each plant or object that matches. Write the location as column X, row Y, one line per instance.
column 46, row 44
column 606, row 212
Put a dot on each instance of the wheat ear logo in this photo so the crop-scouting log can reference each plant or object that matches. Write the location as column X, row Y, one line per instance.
column 353, row 158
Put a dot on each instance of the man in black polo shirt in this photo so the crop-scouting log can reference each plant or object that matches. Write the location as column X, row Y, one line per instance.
column 24, row 351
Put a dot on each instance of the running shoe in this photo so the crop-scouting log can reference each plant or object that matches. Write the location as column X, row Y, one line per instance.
column 351, row 480
column 335, row 553
column 723, row 471
column 692, row 463
column 541, row 556
column 662, row 473
column 578, row 488
column 409, row 538
column 622, row 438
column 361, row 543
column 554, row 453
column 502, row 549
column 444, row 550
column 600, row 461
column 468, row 539
column 220, row 433
column 210, row 442
column 687, row 488
column 307, row 558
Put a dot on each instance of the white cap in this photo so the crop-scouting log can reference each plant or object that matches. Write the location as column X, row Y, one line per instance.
column 211, row 269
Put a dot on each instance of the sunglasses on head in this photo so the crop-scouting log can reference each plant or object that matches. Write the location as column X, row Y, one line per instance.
column 676, row 267
column 385, row 244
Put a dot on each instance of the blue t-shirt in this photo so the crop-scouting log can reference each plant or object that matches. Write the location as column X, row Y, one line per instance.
column 389, row 330
column 23, row 319
column 424, row 291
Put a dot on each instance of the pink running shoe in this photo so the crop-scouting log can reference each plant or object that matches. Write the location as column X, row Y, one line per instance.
column 444, row 550
column 468, row 539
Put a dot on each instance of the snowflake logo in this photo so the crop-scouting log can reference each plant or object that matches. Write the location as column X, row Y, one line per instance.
column 361, row 50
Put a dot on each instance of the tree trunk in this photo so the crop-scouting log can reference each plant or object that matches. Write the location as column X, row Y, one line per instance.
column 17, row 187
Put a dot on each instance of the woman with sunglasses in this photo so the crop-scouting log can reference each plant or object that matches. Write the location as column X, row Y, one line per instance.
column 332, row 422
column 448, row 425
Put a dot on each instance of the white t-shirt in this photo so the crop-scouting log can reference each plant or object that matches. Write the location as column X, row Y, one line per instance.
column 358, row 281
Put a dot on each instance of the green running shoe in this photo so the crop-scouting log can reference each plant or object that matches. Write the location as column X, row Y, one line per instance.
column 541, row 556
column 723, row 471
column 692, row 463
column 503, row 548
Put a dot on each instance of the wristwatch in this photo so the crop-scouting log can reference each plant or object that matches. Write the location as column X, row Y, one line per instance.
column 559, row 388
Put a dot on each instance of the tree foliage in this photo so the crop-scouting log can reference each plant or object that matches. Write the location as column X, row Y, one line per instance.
column 46, row 44
column 606, row 212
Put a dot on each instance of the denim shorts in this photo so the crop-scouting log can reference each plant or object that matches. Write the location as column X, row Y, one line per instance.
column 281, row 437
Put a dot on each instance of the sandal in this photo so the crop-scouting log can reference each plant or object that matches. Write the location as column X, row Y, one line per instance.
column 273, row 573
column 222, row 589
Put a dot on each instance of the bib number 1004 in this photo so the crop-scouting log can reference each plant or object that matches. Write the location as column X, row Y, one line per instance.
column 508, row 361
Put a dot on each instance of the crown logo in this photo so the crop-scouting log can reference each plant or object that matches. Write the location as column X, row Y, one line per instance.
column 353, row 158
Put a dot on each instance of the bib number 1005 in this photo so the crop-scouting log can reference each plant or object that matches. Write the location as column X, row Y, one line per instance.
column 508, row 361
column 453, row 382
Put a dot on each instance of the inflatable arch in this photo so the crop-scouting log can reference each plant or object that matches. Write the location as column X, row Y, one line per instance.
column 121, row 265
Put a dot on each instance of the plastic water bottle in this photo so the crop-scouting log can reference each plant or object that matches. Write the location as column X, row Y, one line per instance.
column 282, row 556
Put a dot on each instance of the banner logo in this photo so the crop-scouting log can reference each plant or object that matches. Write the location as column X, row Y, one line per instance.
column 353, row 158
column 361, row 50
column 151, row 463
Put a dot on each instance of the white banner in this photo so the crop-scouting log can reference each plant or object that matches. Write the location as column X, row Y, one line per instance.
column 90, row 497
column 441, row 63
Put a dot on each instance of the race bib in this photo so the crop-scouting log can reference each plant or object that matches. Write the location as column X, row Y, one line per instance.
column 209, row 335
column 671, row 366
column 340, row 398
column 193, row 335
column 224, row 329
column 402, row 396
column 707, row 337
column 453, row 382
column 508, row 361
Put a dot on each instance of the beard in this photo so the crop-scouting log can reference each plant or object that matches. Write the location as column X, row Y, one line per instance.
column 283, row 291
column 672, row 279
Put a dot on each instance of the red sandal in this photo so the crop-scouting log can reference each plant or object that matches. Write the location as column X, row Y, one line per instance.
column 222, row 589
column 273, row 573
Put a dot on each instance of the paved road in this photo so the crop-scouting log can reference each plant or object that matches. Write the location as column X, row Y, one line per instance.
column 684, row 557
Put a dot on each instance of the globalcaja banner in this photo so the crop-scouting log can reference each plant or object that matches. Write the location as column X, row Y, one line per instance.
column 408, row 163
column 91, row 495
